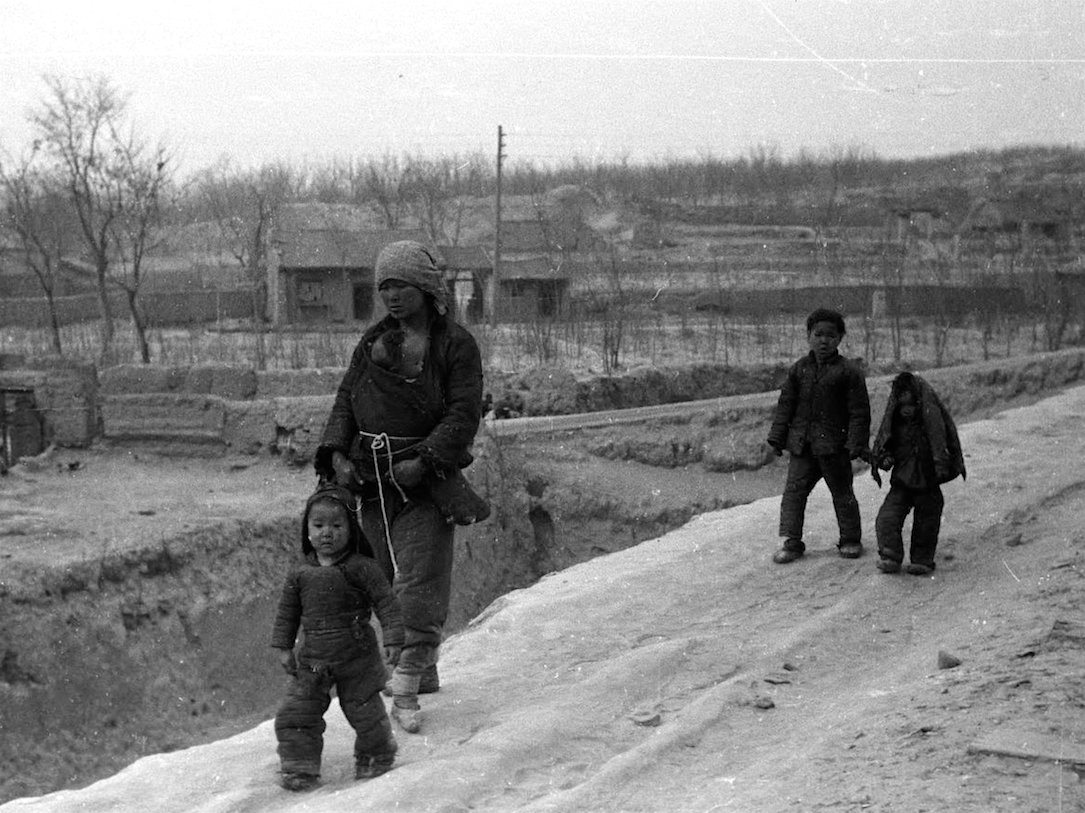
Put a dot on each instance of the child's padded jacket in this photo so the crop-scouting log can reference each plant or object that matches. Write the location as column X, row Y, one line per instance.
column 333, row 604
column 822, row 409
column 936, row 422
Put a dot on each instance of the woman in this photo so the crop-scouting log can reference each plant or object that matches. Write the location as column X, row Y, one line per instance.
column 400, row 430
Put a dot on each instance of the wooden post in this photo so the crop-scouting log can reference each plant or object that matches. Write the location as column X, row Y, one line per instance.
column 493, row 289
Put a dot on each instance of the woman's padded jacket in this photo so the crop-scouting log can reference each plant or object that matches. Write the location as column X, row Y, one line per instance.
column 455, row 355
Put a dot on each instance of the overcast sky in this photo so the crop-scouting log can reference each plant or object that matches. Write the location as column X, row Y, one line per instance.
column 642, row 79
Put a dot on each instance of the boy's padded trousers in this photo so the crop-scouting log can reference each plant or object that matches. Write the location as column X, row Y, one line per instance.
column 803, row 473
column 926, row 523
column 299, row 723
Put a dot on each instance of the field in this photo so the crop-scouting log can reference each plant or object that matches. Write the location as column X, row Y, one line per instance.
column 584, row 347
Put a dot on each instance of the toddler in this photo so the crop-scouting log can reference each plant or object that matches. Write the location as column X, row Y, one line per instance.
column 330, row 594
column 918, row 441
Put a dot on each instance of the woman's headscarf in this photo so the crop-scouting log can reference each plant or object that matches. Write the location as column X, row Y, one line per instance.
column 410, row 262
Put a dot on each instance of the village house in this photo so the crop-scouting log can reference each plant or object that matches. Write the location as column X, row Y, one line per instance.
column 993, row 236
column 467, row 270
column 1025, row 235
column 321, row 264
column 1000, row 252
column 533, row 275
column 541, row 253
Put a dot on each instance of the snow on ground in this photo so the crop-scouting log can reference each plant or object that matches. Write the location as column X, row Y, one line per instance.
column 691, row 674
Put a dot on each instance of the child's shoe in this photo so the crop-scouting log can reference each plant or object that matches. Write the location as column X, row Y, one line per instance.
column 409, row 719
column 888, row 566
column 917, row 569
column 850, row 550
column 372, row 767
column 299, row 781
column 792, row 550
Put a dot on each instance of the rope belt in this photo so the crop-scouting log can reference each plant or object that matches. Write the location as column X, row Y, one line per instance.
column 380, row 445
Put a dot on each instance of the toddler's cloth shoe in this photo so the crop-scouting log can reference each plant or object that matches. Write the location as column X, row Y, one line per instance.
column 888, row 566
column 850, row 550
column 917, row 569
column 299, row 781
column 410, row 720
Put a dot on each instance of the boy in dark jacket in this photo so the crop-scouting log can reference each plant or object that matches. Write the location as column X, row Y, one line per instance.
column 823, row 419
column 330, row 594
column 918, row 441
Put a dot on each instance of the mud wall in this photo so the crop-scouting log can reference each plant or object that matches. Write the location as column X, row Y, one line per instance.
column 220, row 409
column 128, row 654
column 65, row 395
column 727, row 434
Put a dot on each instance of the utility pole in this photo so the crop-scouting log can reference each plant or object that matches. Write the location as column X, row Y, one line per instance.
column 494, row 287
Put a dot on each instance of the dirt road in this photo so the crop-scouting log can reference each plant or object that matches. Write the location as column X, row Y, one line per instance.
column 691, row 674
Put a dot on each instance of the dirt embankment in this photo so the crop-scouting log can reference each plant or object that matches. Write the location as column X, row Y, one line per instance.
column 136, row 591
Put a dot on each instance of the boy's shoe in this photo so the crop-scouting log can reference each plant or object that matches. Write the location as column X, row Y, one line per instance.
column 850, row 550
column 410, row 720
column 786, row 555
column 299, row 781
column 372, row 767
column 917, row 569
column 430, row 681
column 792, row 550
column 888, row 566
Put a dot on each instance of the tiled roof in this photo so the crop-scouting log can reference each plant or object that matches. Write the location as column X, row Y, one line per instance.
column 317, row 236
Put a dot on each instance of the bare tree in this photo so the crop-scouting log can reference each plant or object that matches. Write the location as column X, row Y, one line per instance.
column 437, row 190
column 107, row 173
column 36, row 214
column 845, row 166
column 382, row 184
column 146, row 179
column 242, row 205
column 73, row 131
column 430, row 195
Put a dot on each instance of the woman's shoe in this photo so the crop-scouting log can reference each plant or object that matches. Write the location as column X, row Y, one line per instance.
column 410, row 720
column 299, row 781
